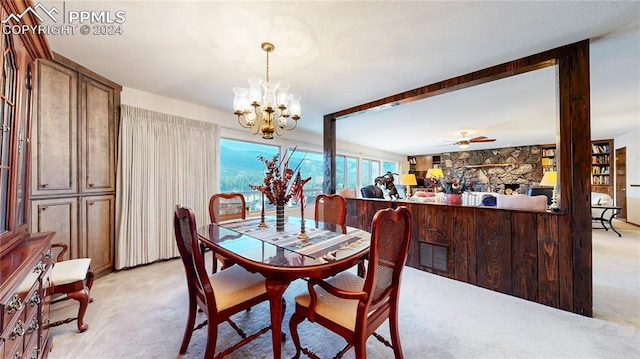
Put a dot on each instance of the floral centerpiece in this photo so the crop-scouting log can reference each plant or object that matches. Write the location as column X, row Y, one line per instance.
column 453, row 186
column 456, row 184
column 277, row 186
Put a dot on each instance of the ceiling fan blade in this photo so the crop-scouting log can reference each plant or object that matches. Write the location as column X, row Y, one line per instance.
column 482, row 140
column 479, row 138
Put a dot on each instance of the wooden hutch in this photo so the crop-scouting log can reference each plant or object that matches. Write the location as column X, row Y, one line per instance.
column 24, row 257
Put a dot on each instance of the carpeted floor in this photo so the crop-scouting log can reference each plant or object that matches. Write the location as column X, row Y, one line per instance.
column 140, row 313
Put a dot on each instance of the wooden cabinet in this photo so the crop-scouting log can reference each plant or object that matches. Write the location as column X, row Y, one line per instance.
column 74, row 163
column 602, row 167
column 24, row 257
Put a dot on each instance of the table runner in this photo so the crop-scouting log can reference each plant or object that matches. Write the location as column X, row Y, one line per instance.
column 320, row 241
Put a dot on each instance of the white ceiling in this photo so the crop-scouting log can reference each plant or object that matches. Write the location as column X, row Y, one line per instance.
column 339, row 54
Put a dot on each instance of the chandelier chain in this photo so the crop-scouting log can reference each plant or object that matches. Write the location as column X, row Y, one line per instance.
column 267, row 66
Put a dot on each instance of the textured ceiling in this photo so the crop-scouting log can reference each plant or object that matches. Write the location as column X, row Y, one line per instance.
column 339, row 54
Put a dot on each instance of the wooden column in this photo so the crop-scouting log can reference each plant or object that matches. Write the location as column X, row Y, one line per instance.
column 329, row 184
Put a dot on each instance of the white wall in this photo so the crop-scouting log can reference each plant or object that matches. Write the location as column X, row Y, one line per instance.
column 632, row 143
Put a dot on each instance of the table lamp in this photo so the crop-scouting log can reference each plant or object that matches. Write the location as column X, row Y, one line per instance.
column 550, row 179
column 435, row 173
column 408, row 180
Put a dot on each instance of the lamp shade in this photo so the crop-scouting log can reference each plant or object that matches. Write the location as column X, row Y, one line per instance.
column 435, row 173
column 550, row 179
column 408, row 180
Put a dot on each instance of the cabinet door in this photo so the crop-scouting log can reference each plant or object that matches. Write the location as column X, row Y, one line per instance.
column 54, row 136
column 59, row 215
column 7, row 122
column 98, row 135
column 98, row 231
column 23, row 150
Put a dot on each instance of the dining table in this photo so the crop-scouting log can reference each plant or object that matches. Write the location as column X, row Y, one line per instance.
column 285, row 256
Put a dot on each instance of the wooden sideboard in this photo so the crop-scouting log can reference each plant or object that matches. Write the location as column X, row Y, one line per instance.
column 24, row 303
column 520, row 253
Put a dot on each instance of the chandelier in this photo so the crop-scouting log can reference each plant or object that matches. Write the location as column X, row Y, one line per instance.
column 274, row 109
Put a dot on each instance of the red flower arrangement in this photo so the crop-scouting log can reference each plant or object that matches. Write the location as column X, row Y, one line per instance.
column 276, row 181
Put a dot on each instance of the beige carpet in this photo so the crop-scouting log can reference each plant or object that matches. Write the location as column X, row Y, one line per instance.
column 140, row 313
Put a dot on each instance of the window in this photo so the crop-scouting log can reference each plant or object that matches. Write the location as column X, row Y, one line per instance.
column 311, row 164
column 240, row 168
column 346, row 172
column 370, row 170
column 389, row 167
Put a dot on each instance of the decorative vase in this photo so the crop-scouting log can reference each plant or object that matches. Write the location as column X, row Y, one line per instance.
column 280, row 218
column 454, row 199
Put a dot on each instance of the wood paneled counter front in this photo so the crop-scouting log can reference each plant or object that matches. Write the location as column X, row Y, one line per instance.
column 525, row 254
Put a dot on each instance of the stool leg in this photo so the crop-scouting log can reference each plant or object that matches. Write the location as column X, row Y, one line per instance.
column 82, row 296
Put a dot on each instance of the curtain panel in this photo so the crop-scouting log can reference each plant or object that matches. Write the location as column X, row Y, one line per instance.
column 163, row 160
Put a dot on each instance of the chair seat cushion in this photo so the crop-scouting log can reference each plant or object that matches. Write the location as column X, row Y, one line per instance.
column 235, row 285
column 338, row 310
column 70, row 271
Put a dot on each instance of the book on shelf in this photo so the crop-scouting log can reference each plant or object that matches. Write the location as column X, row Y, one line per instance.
column 602, row 148
column 548, row 161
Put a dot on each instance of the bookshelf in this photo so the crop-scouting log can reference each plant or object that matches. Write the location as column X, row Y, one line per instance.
column 602, row 167
column 548, row 158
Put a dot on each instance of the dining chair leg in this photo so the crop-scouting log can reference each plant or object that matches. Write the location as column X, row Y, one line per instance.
column 360, row 349
column 188, row 330
column 395, row 334
column 212, row 337
column 295, row 320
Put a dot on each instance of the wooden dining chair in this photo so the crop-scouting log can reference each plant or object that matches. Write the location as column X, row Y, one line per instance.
column 71, row 279
column 354, row 307
column 218, row 296
column 331, row 208
column 224, row 207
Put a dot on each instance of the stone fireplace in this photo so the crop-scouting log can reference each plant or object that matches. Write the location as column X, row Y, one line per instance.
column 495, row 170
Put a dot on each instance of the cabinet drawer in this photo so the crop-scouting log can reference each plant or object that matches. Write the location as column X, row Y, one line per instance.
column 15, row 305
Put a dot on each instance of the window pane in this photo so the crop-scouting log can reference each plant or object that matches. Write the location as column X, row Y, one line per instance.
column 389, row 167
column 240, row 167
column 366, row 173
column 310, row 164
column 340, row 173
column 352, row 172
column 375, row 170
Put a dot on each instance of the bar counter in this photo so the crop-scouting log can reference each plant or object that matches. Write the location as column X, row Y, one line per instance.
column 520, row 253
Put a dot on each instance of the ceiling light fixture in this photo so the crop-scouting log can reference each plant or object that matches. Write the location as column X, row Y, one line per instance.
column 271, row 109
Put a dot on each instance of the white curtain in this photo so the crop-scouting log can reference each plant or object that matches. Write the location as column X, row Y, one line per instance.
column 163, row 160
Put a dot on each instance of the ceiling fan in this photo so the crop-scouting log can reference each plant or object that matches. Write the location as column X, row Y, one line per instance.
column 464, row 141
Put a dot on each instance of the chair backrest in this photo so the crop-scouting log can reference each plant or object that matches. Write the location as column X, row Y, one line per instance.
column 371, row 191
column 226, row 206
column 331, row 208
column 198, row 283
column 390, row 235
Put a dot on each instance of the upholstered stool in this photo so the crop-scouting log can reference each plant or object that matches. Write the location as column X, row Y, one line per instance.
column 74, row 279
